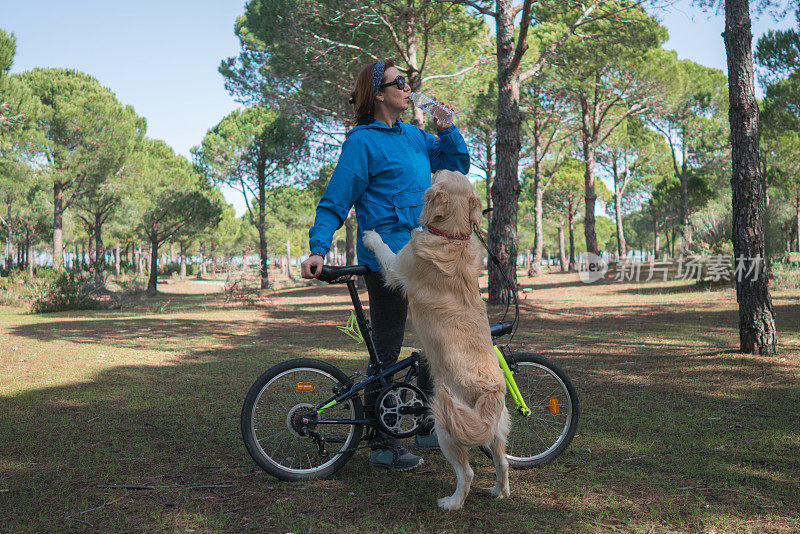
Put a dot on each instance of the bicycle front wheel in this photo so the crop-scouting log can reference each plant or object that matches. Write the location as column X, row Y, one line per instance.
column 540, row 437
column 272, row 421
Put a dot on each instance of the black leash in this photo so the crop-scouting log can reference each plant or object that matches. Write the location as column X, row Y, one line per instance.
column 511, row 290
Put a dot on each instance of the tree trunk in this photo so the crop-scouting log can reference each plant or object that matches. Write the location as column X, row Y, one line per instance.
column 10, row 237
column 31, row 256
column 289, row 259
column 262, row 227
column 685, row 232
column 350, row 238
column 589, row 138
column 58, row 223
column 413, row 74
column 117, row 260
column 621, row 248
column 571, row 239
column 538, row 193
column 91, row 248
column 656, row 238
column 183, row 260
column 797, row 218
column 99, row 253
column 562, row 255
column 671, row 245
column 152, row 281
column 506, row 188
column 756, row 317
column 489, row 178
column 202, row 260
column 137, row 257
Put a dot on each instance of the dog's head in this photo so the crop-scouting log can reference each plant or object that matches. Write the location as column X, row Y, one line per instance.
column 451, row 204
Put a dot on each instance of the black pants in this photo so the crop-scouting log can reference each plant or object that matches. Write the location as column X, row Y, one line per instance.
column 388, row 310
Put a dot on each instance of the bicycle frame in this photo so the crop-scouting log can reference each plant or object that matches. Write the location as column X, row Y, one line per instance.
column 511, row 384
column 412, row 362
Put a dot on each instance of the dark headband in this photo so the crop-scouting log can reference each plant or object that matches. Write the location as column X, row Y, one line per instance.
column 377, row 76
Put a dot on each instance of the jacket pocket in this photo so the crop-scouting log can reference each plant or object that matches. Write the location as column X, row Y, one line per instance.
column 408, row 207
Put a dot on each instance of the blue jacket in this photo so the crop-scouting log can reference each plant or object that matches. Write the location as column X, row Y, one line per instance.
column 384, row 171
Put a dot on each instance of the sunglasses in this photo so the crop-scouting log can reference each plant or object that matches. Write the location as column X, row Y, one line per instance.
column 400, row 82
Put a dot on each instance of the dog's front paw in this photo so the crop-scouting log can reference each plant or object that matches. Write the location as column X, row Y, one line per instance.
column 449, row 503
column 372, row 239
column 500, row 492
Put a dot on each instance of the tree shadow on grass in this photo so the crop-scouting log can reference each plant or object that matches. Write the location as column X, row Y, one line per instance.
column 679, row 438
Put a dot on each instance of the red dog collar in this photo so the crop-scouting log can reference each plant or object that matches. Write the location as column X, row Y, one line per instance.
column 434, row 231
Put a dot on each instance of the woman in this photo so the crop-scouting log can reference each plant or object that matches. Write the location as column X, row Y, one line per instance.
column 383, row 170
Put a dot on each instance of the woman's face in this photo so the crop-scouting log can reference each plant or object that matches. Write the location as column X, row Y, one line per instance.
column 394, row 98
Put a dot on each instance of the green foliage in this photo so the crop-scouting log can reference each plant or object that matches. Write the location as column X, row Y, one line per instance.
column 78, row 115
column 781, row 107
column 306, row 54
column 785, row 274
column 241, row 285
column 168, row 198
column 8, row 47
column 778, row 53
column 169, row 269
column 635, row 157
column 252, row 148
column 61, row 291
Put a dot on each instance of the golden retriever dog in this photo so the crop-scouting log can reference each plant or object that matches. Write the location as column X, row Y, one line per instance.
column 438, row 271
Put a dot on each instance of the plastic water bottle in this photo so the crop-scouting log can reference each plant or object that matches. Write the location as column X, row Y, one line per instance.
column 429, row 105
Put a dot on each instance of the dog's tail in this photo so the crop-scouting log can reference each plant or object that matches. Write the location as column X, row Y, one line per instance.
column 469, row 425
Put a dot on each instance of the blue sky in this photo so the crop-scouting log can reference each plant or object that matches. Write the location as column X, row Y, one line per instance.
column 161, row 57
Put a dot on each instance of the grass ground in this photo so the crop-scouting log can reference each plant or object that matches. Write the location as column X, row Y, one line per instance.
column 127, row 421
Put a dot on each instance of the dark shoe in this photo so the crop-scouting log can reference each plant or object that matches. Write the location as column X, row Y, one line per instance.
column 426, row 443
column 394, row 459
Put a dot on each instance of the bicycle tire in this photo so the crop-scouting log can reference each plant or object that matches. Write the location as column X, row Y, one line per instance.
column 537, row 439
column 271, row 407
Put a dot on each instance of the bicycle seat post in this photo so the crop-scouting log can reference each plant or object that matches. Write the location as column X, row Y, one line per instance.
column 363, row 323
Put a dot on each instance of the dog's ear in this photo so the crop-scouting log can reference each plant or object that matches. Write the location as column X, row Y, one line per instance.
column 439, row 203
column 475, row 211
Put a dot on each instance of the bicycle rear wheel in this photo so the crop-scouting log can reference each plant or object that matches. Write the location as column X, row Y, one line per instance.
column 540, row 437
column 272, row 421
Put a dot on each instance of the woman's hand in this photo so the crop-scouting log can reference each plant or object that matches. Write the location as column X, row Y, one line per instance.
column 441, row 125
column 312, row 266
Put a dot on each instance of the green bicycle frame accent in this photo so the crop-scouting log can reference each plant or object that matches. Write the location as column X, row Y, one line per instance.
column 511, row 384
column 331, row 403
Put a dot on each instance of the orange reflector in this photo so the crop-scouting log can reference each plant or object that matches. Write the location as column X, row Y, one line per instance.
column 554, row 406
column 304, row 387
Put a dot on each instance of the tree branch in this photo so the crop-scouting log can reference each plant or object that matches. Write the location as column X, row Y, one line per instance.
column 75, row 192
column 482, row 61
column 522, row 40
column 551, row 49
column 344, row 45
column 397, row 44
column 473, row 5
